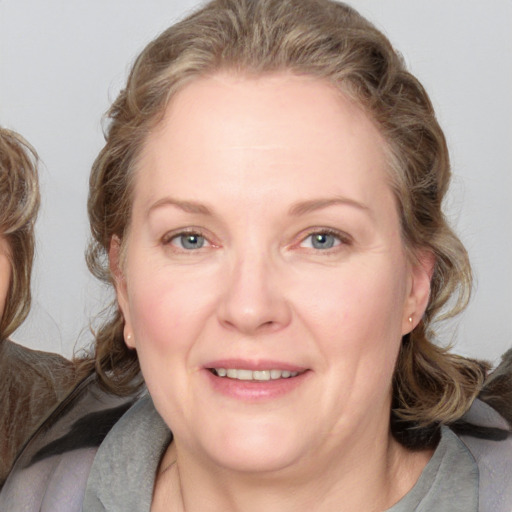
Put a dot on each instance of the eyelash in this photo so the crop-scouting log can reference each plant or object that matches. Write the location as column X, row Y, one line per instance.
column 342, row 238
column 168, row 238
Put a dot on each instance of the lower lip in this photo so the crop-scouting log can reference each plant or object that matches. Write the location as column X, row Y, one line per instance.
column 254, row 391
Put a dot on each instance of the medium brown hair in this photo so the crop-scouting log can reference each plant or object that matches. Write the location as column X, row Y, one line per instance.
column 19, row 199
column 331, row 41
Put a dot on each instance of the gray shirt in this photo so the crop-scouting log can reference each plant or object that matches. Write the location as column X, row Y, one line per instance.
column 123, row 473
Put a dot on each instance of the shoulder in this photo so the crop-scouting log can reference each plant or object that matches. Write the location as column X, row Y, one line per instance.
column 488, row 437
column 52, row 470
column 42, row 372
column 14, row 352
column 33, row 382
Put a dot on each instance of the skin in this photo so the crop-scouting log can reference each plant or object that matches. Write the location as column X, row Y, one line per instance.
column 255, row 166
column 5, row 273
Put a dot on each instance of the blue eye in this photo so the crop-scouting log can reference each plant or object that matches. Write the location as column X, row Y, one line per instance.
column 321, row 241
column 189, row 241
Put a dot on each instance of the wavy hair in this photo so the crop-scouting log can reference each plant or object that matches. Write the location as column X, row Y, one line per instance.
column 19, row 197
column 330, row 41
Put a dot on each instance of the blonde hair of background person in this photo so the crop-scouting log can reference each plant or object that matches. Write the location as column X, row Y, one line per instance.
column 431, row 385
column 31, row 382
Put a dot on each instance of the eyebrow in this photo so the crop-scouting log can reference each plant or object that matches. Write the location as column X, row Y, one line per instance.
column 297, row 209
column 186, row 206
column 312, row 205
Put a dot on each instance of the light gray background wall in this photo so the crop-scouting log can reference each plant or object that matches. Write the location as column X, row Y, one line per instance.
column 62, row 62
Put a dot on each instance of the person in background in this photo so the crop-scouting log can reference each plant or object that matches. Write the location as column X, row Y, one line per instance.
column 31, row 382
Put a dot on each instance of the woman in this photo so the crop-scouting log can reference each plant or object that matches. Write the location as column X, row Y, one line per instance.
column 32, row 382
column 268, row 209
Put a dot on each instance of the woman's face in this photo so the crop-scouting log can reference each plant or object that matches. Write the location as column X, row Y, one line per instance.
column 265, row 285
column 5, row 273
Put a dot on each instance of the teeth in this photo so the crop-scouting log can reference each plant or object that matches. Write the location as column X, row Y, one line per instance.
column 244, row 374
column 258, row 375
column 261, row 375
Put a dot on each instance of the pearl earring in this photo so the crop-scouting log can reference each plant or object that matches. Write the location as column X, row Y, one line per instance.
column 410, row 319
column 128, row 337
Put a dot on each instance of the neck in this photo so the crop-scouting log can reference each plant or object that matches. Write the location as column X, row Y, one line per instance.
column 369, row 478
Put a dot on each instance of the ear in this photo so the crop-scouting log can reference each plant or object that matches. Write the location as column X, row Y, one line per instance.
column 117, row 272
column 422, row 269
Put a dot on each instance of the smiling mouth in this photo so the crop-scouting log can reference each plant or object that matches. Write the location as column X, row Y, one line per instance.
column 256, row 375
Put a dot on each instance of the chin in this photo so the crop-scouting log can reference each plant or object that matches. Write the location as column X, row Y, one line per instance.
column 253, row 459
column 258, row 448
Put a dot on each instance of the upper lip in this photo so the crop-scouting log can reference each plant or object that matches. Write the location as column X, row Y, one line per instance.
column 254, row 365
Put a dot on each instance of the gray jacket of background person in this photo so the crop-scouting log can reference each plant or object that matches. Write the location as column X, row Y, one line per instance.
column 51, row 473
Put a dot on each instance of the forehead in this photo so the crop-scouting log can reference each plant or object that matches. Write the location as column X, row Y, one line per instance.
column 278, row 129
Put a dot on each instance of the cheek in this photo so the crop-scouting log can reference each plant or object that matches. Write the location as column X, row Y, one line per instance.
column 356, row 319
column 360, row 297
column 161, row 322
column 360, row 334
column 168, row 311
column 160, row 310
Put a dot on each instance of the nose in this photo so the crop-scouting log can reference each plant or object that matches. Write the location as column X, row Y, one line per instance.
column 254, row 300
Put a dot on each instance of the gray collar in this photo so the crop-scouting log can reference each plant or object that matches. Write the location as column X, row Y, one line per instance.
column 448, row 483
column 123, row 473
